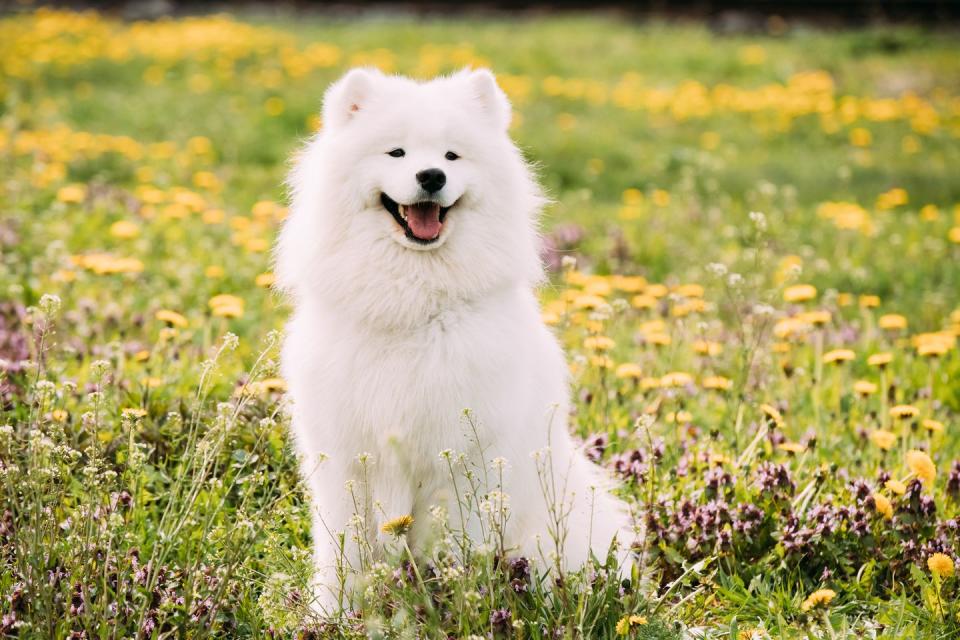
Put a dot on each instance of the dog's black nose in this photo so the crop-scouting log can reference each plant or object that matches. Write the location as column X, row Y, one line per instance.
column 432, row 180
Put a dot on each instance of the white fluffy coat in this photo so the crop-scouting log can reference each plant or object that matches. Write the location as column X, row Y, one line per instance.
column 391, row 340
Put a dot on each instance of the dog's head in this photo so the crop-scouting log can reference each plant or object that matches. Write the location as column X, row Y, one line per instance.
column 414, row 181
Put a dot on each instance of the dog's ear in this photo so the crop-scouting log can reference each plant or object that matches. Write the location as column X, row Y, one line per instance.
column 489, row 96
column 348, row 96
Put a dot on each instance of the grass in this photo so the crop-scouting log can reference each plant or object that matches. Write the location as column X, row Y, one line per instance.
column 698, row 181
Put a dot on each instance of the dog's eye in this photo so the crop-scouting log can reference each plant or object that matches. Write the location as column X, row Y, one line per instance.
column 451, row 155
column 397, row 153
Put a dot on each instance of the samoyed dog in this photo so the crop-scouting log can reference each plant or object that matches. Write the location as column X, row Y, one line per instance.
column 411, row 257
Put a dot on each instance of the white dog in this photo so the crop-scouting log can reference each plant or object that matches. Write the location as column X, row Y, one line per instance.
column 411, row 254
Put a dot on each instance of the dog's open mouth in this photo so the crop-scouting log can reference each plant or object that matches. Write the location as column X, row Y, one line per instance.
column 421, row 222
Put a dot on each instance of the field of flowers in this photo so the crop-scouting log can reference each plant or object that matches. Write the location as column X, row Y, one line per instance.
column 755, row 257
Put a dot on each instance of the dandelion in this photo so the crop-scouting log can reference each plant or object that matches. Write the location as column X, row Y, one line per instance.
column 931, row 425
column 838, row 355
column 124, row 230
column 892, row 322
column 628, row 370
column 265, row 280
column 625, row 623
column 172, row 318
column 773, row 413
column 718, row 383
column 880, row 359
column 799, row 293
column 820, row 597
column 397, row 526
column 791, row 447
column 72, row 193
column 599, row 343
column 882, row 504
column 676, row 379
column 941, row 565
column 864, row 387
column 883, row 439
column 922, row 466
column 903, row 411
column 895, row 486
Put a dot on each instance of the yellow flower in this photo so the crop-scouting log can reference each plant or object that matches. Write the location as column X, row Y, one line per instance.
column 599, row 343
column 718, row 383
column 773, row 413
column 707, row 347
column 676, row 379
column 882, row 505
column 397, row 526
column 864, row 387
column 265, row 280
column 839, row 355
column 626, row 622
column 643, row 301
column 59, row 415
column 892, row 322
column 124, row 230
column 954, row 235
column 896, row 487
column 880, row 359
column 869, row 302
column 933, row 426
column 800, row 293
column 922, row 466
column 628, row 370
column 815, row 317
column 172, row 318
column 902, row 411
column 72, row 193
column 883, row 439
column 941, row 565
column 791, row 447
column 820, row 597
column 588, row 301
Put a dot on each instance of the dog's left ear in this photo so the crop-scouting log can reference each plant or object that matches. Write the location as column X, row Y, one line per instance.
column 489, row 97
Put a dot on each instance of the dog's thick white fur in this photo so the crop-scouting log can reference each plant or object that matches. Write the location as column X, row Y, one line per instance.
column 394, row 335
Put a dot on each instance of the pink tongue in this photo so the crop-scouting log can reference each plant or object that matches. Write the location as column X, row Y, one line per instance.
column 423, row 219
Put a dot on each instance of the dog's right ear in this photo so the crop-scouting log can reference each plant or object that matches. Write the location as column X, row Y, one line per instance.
column 348, row 96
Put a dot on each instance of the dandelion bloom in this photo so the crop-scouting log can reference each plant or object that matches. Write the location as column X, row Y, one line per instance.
column 588, row 301
column 922, row 466
column 902, row 411
column 820, row 597
column 864, row 387
column 124, row 230
column 933, row 426
column 869, row 302
column 773, row 413
column 880, row 359
column 839, row 355
column 882, row 505
column 676, row 379
column 718, row 383
column 172, row 318
column 892, row 322
column 599, row 343
column 941, row 565
column 72, row 193
column 883, row 439
column 800, row 293
column 791, row 447
column 265, row 280
column 397, row 526
column 707, row 347
column 896, row 487
column 626, row 622
column 644, row 301
column 628, row 370
column 815, row 318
